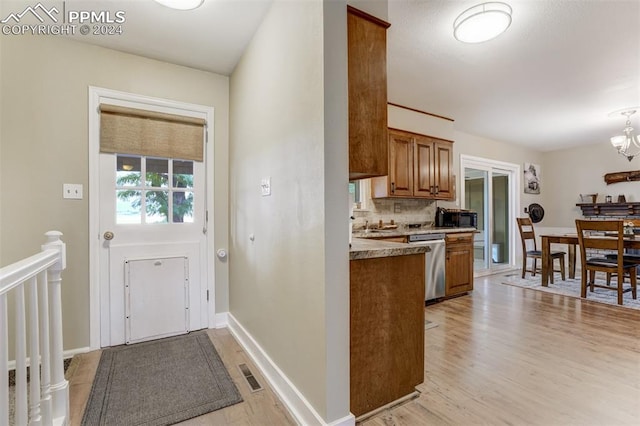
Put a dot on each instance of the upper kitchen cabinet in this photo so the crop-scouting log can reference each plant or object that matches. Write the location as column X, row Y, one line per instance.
column 419, row 167
column 367, row 61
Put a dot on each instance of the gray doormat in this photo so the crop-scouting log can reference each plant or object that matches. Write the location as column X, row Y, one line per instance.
column 161, row 382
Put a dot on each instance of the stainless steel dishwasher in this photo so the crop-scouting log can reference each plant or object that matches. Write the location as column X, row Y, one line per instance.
column 434, row 263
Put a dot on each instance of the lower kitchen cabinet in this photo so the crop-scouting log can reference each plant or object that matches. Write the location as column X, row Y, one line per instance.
column 387, row 329
column 459, row 263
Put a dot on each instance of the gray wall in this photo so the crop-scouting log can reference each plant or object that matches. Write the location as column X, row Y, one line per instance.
column 44, row 143
column 289, row 285
column 568, row 173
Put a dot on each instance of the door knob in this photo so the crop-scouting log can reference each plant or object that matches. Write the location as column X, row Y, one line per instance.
column 108, row 235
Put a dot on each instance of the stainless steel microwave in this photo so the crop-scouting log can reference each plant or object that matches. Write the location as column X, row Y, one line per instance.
column 449, row 218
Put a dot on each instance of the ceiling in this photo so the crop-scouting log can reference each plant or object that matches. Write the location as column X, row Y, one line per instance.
column 548, row 83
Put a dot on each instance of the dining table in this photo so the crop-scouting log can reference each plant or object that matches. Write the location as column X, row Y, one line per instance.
column 571, row 240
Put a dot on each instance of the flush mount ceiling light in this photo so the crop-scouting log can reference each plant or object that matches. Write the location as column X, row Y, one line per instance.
column 181, row 4
column 482, row 22
column 628, row 145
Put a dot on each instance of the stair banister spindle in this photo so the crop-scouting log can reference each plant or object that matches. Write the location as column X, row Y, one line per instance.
column 45, row 372
column 34, row 355
column 4, row 362
column 21, row 412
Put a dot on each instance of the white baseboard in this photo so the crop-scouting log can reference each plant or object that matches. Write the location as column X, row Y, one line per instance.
column 349, row 420
column 221, row 320
column 295, row 401
column 72, row 352
column 65, row 354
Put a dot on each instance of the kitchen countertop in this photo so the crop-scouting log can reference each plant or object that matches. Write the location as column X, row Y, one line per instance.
column 384, row 233
column 362, row 248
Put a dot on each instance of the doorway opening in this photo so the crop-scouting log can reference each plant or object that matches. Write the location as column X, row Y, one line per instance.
column 490, row 189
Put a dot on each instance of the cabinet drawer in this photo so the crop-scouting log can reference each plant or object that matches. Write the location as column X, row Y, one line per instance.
column 459, row 238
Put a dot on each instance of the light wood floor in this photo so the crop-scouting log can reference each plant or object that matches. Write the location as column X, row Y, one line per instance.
column 258, row 408
column 511, row 356
column 502, row 355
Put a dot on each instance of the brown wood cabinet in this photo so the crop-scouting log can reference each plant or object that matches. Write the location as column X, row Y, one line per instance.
column 367, row 75
column 615, row 210
column 419, row 167
column 387, row 329
column 396, row 239
column 458, row 263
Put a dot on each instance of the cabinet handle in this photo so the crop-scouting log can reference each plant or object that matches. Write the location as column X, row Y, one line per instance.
column 437, row 189
column 393, row 187
column 431, row 190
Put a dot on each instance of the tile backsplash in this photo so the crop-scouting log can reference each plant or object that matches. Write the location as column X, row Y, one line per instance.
column 402, row 211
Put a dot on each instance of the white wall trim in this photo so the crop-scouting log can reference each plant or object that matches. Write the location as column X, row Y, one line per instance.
column 291, row 397
column 221, row 320
column 349, row 420
column 514, row 196
column 70, row 353
column 96, row 96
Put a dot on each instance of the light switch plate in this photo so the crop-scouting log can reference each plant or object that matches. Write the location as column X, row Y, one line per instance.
column 72, row 191
column 265, row 186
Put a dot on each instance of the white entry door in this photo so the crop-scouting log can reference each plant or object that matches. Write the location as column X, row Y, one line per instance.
column 150, row 277
column 153, row 251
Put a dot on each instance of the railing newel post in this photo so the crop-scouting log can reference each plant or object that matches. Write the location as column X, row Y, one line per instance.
column 59, row 385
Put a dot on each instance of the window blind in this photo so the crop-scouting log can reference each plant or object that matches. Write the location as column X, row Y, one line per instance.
column 135, row 131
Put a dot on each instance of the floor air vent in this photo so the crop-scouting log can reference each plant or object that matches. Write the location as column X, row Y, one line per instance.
column 251, row 380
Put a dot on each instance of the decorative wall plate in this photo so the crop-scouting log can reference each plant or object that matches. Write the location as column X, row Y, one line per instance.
column 536, row 212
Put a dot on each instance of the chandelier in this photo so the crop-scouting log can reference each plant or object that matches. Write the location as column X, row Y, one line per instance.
column 628, row 144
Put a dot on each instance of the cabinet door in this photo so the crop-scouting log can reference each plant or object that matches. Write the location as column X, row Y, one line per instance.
column 423, row 154
column 367, row 74
column 400, row 165
column 459, row 264
column 442, row 170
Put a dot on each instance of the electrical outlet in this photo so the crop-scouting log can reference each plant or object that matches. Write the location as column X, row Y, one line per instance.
column 72, row 191
column 265, row 186
column 397, row 208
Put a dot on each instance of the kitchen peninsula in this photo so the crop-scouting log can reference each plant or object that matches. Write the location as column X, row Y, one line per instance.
column 387, row 322
column 387, row 294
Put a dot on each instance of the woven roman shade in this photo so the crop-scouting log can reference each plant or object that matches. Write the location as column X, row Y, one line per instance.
column 135, row 131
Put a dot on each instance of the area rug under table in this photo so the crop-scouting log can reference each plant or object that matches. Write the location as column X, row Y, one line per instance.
column 571, row 287
column 160, row 382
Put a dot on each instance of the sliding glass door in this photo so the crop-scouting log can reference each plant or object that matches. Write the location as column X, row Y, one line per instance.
column 490, row 190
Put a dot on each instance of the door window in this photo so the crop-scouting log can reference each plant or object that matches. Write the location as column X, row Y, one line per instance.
column 153, row 190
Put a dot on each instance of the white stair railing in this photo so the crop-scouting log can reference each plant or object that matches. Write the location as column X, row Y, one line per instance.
column 38, row 329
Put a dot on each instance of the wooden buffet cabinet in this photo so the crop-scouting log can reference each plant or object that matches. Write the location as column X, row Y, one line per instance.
column 458, row 263
column 613, row 210
column 367, row 62
column 419, row 167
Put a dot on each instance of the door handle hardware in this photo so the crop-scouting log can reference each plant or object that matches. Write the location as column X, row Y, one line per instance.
column 393, row 187
column 108, row 235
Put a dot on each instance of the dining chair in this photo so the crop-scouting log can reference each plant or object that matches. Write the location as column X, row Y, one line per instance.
column 628, row 257
column 598, row 238
column 530, row 249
